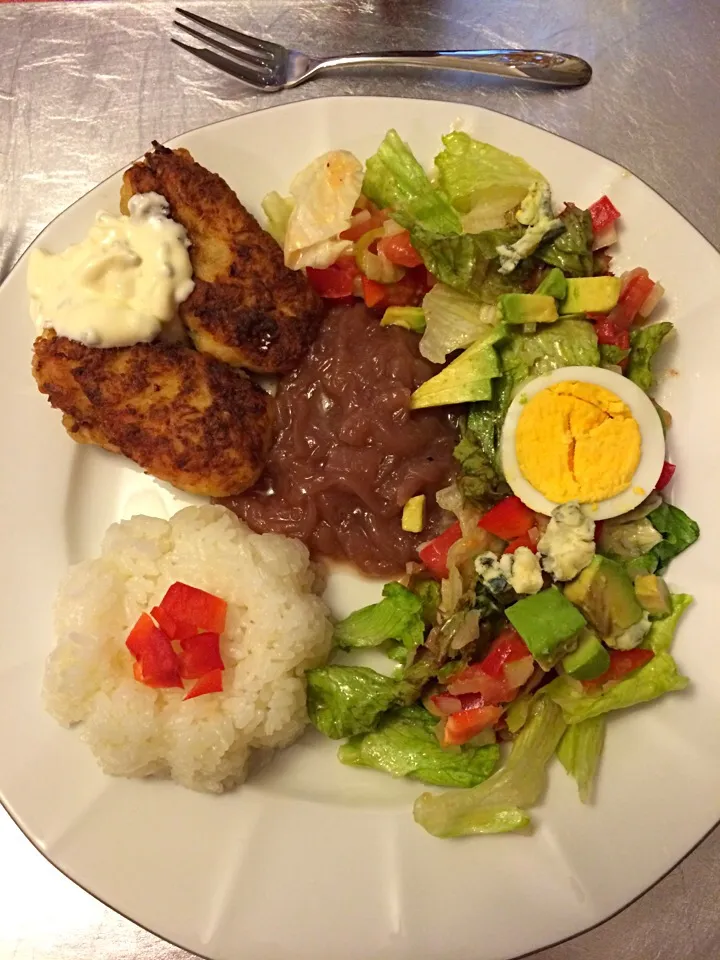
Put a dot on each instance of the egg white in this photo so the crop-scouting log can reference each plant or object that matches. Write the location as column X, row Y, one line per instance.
column 652, row 452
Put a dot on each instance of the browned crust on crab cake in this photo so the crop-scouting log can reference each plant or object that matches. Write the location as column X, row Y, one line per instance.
column 248, row 309
column 182, row 416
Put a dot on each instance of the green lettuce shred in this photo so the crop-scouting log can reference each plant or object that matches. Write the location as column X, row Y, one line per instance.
column 571, row 251
column 644, row 344
column 662, row 631
column 399, row 616
column 580, row 750
column 344, row 701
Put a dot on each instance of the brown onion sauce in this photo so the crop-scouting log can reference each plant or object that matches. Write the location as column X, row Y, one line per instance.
column 349, row 453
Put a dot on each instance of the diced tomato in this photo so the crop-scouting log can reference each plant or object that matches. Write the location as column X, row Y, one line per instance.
column 141, row 635
column 524, row 541
column 608, row 333
column 373, row 292
column 211, row 683
column 637, row 289
column 200, row 655
column 506, row 648
column 463, row 726
column 622, row 662
column 336, row 281
column 191, row 605
column 409, row 291
column 469, row 701
column 434, row 554
column 666, row 475
column 602, row 213
column 398, row 249
column 158, row 664
column 443, row 704
column 474, row 679
column 372, row 222
column 508, row 519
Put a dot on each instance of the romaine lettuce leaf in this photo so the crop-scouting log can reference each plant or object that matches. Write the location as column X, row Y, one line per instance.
column 612, row 356
column 497, row 805
column 395, row 179
column 399, row 616
column 572, row 249
column 428, row 592
column 662, row 631
column 478, row 479
column 453, row 320
column 579, row 752
column 475, row 174
column 644, row 343
column 404, row 744
column 657, row 677
column 678, row 530
column 344, row 701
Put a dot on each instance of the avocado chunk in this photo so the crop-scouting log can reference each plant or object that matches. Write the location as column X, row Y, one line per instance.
column 468, row 378
column 653, row 595
column 411, row 318
column 413, row 515
column 527, row 308
column 548, row 623
column 605, row 594
column 590, row 659
column 591, row 294
column 554, row 284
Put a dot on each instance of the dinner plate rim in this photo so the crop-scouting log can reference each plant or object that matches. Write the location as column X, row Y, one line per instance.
column 298, row 104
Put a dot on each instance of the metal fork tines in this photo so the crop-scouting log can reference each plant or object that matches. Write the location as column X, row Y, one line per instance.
column 269, row 66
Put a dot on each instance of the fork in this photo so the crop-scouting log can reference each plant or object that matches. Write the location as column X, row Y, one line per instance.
column 270, row 67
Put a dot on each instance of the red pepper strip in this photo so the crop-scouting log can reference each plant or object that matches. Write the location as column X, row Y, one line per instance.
column 603, row 213
column 622, row 662
column 507, row 647
column 434, row 554
column 508, row 519
column 524, row 541
column 633, row 296
column 200, row 655
column 370, row 223
column 398, row 249
column 158, row 664
column 463, row 726
column 165, row 622
column 666, row 475
column 373, row 292
column 335, row 281
column 211, row 683
column 141, row 635
column 191, row 605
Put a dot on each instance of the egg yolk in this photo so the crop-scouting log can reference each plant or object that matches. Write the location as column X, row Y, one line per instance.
column 577, row 441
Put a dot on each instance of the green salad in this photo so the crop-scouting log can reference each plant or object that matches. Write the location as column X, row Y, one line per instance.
column 519, row 629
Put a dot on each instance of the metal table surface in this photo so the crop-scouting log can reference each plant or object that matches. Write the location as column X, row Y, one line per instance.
column 85, row 86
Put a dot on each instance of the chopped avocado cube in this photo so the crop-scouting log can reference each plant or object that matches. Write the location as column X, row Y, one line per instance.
column 590, row 659
column 604, row 592
column 413, row 515
column 468, row 378
column 653, row 595
column 591, row 294
column 411, row 318
column 548, row 623
column 554, row 284
column 527, row 308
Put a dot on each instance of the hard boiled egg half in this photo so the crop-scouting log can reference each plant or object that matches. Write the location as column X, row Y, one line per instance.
column 585, row 434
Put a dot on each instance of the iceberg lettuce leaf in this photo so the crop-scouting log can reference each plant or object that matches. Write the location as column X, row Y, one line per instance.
column 344, row 701
column 398, row 616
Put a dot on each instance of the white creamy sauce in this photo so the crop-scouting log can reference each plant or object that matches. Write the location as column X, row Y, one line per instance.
column 120, row 284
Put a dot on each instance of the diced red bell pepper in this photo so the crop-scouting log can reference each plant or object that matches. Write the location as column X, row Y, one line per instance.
column 336, row 281
column 637, row 289
column 192, row 605
column 373, row 292
column 463, row 726
column 141, row 635
column 666, row 475
column 507, row 647
column 524, row 541
column 622, row 662
column 175, row 629
column 200, row 655
column 434, row 554
column 158, row 664
column 608, row 333
column 398, row 249
column 211, row 683
column 508, row 519
column 372, row 222
column 602, row 213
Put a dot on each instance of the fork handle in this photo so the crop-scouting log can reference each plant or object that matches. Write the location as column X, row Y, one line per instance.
column 535, row 66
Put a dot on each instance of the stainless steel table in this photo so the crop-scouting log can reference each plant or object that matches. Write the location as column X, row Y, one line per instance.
column 84, row 87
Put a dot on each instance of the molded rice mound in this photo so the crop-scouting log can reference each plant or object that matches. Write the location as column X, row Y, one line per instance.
column 277, row 627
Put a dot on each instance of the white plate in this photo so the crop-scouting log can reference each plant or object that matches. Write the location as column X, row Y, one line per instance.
column 312, row 859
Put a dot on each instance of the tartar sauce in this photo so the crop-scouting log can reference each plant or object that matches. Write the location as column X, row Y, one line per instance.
column 120, row 284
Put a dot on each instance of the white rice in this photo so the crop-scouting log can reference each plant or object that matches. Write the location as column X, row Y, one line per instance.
column 277, row 627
